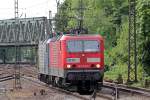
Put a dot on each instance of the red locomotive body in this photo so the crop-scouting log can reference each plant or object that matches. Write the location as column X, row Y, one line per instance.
column 75, row 61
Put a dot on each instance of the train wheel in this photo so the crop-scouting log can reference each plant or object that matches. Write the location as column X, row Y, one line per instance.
column 87, row 87
column 42, row 77
column 57, row 81
column 100, row 84
column 60, row 82
column 53, row 81
column 48, row 79
column 63, row 84
column 39, row 77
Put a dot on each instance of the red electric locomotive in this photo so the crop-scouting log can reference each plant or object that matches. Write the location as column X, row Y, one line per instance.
column 75, row 62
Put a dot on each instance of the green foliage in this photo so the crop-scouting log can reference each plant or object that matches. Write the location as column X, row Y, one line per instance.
column 115, row 71
column 144, row 31
column 62, row 17
column 110, row 19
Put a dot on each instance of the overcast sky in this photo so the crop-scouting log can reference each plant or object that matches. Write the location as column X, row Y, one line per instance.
column 32, row 8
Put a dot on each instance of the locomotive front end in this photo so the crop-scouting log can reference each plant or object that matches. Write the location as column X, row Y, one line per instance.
column 84, row 62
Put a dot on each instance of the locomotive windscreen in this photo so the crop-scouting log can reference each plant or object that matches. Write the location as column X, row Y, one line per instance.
column 83, row 46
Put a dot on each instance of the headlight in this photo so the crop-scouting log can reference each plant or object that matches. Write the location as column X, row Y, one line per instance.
column 68, row 66
column 93, row 59
column 98, row 65
column 73, row 60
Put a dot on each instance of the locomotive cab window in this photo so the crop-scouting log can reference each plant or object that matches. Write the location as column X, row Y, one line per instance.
column 91, row 46
column 83, row 46
column 74, row 46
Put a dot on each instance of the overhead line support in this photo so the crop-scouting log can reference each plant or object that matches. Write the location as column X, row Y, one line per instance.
column 17, row 83
column 132, row 46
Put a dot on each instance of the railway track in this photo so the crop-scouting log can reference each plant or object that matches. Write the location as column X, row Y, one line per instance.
column 5, row 78
column 8, row 70
column 116, row 90
column 125, row 88
column 59, row 90
column 29, row 71
column 6, row 73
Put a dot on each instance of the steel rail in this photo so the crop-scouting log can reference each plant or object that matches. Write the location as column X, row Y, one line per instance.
column 126, row 88
column 5, row 78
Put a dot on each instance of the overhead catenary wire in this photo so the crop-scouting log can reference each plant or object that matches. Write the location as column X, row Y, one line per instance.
column 38, row 4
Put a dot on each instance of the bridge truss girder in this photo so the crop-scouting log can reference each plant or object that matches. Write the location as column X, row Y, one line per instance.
column 28, row 30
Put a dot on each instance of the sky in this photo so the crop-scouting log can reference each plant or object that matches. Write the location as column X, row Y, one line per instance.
column 28, row 8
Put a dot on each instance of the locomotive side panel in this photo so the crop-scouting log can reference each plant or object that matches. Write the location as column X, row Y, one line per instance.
column 102, row 53
column 43, row 58
column 56, row 68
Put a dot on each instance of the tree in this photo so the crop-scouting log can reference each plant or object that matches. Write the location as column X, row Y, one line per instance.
column 144, row 31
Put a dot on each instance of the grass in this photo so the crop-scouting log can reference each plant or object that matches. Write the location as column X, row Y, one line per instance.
column 122, row 69
column 114, row 71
